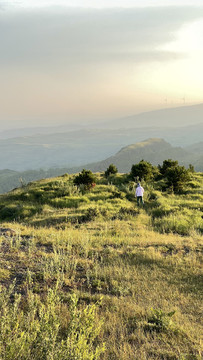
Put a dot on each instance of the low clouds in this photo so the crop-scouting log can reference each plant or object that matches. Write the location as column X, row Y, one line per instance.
column 66, row 37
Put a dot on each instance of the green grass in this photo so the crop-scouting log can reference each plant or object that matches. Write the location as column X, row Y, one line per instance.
column 135, row 274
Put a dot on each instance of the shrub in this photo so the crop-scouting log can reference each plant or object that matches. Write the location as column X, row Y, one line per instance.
column 167, row 164
column 91, row 214
column 176, row 176
column 142, row 170
column 9, row 212
column 37, row 332
column 86, row 178
column 159, row 320
column 18, row 211
column 111, row 170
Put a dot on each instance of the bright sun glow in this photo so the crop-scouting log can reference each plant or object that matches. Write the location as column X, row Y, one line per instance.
column 180, row 80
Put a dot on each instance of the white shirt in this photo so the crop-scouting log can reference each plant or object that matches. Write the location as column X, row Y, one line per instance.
column 139, row 191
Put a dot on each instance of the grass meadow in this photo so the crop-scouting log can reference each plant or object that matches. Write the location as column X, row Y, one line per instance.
column 86, row 275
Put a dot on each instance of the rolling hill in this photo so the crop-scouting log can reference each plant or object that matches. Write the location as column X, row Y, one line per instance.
column 181, row 116
column 80, row 147
column 154, row 150
column 168, row 117
column 68, row 146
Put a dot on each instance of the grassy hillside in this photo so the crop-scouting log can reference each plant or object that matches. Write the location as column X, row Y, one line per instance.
column 98, row 278
column 10, row 179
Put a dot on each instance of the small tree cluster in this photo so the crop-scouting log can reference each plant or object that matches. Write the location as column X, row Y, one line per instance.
column 86, row 178
column 111, row 170
column 143, row 170
column 167, row 164
column 176, row 176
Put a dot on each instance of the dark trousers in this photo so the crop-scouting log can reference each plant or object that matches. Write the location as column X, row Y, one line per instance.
column 140, row 200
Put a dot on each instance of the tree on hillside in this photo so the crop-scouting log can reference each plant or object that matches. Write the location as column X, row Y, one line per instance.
column 176, row 176
column 143, row 170
column 167, row 164
column 111, row 170
column 86, row 178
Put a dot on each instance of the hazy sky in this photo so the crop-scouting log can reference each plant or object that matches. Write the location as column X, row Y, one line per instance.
column 67, row 59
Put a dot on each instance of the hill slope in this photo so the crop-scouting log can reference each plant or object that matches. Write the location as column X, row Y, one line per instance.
column 168, row 117
column 181, row 127
column 152, row 150
column 79, row 147
column 196, row 148
column 91, row 268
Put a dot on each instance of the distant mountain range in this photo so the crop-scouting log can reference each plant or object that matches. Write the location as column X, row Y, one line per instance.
column 74, row 148
column 85, row 146
column 181, row 116
column 33, row 153
column 168, row 117
column 154, row 150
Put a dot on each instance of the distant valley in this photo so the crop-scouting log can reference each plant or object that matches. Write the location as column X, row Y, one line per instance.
column 170, row 118
column 83, row 146
column 70, row 146
column 154, row 150
column 34, row 153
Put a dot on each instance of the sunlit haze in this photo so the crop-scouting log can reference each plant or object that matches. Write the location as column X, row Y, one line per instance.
column 64, row 61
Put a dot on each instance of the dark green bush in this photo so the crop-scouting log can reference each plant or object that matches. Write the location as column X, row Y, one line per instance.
column 9, row 212
column 111, row 170
column 86, row 178
column 143, row 170
column 176, row 176
column 167, row 164
column 18, row 211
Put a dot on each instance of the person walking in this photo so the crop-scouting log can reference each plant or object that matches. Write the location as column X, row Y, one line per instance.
column 139, row 194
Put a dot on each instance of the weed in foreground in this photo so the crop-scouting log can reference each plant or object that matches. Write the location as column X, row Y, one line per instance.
column 34, row 329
